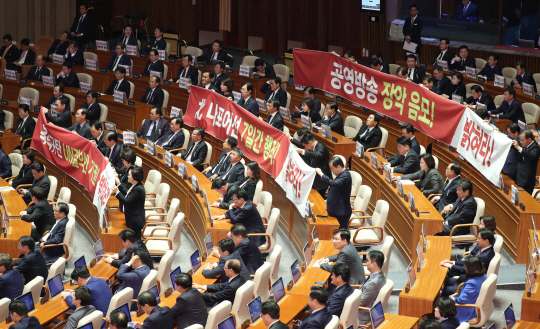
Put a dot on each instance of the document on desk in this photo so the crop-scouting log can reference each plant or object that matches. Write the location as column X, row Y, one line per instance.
column 407, row 182
column 410, row 46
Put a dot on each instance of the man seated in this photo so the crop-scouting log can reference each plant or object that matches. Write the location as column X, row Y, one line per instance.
column 11, row 282
column 234, row 173
column 187, row 70
column 462, row 211
column 190, row 307
column 67, row 76
column 119, row 320
column 407, row 160
column 158, row 316
column 319, row 316
column 56, row 234
column 58, row 92
column 130, row 242
column 119, row 84
column 219, row 169
column 41, row 213
column 197, row 149
column 491, row 68
column 414, row 73
column 316, row 155
column 8, row 51
column 512, row 159
column 154, row 128
column 206, row 82
column 375, row 54
column 59, row 46
column 523, row 76
column 216, row 53
column 25, row 174
column 449, row 192
column 370, row 134
column 127, row 38
column 274, row 118
column 478, row 95
column 38, row 71
column 132, row 273
column 153, row 64
column 92, row 106
column 224, row 291
column 63, row 118
column 25, row 56
column 226, row 251
column 225, row 189
column 373, row 284
column 248, row 250
column 466, row 12
column 443, row 53
column 40, row 180
column 347, row 54
column 443, row 83
column 272, row 90
column 407, row 129
column 270, row 315
column 82, row 27
column 463, row 60
column 347, row 255
column 262, row 69
column 18, row 311
column 246, row 101
column 81, row 302
column 154, row 94
column 119, row 58
column 510, row 109
column 30, row 263
column 376, row 65
column 430, row 83
column 81, row 127
column 74, row 54
column 5, row 164
column 219, row 75
column 332, row 118
column 174, row 137
column 309, row 92
column 340, row 279
column 157, row 43
column 401, row 73
column 25, row 125
column 112, row 150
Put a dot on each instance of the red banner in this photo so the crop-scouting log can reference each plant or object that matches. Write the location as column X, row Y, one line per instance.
column 391, row 96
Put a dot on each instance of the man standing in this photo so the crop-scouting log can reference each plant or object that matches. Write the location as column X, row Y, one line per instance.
column 38, row 71
column 347, row 255
column 63, row 118
column 174, row 137
column 512, row 159
column 82, row 26
column 187, row 70
column 462, row 211
column 319, row 316
column 246, row 101
column 412, row 29
column 272, row 91
column 190, row 307
column 25, row 125
column 449, row 192
column 317, row 156
column 338, row 198
column 154, row 94
column 81, row 127
column 528, row 160
column 119, row 84
column 40, row 213
column 154, row 128
column 56, row 235
column 274, row 117
column 197, row 149
column 340, row 279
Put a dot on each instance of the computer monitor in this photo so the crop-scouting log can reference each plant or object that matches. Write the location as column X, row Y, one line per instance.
column 86, row 326
column 255, row 309
column 208, row 244
column 55, row 285
column 28, row 300
column 377, row 315
column 295, row 270
column 155, row 291
column 307, row 254
column 125, row 308
column 509, row 317
column 278, row 289
column 98, row 249
column 80, row 262
column 228, row 323
column 173, row 274
column 195, row 261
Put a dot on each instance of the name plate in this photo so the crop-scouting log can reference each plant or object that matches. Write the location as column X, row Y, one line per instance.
column 58, row 59
column 172, row 60
column 90, row 64
column 102, row 70
column 244, row 70
column 102, row 45
column 119, row 96
column 356, row 104
column 480, row 79
column 25, row 100
column 456, row 98
column 499, row 81
column 182, row 170
column 374, row 162
column 156, row 73
column 127, row 67
column 195, row 183
column 85, row 87
column 285, row 113
column 443, row 64
column 262, row 106
column 10, row 74
column 359, row 150
column 3, row 102
column 162, row 54
column 54, row 112
column 131, row 103
column 183, row 82
column 528, row 89
column 329, row 95
column 150, row 148
column 522, row 125
column 168, row 159
column 176, row 112
column 229, row 71
column 132, row 50
column 480, row 106
column 236, row 96
column 470, row 72
column 22, row 80
column 298, row 87
column 306, row 121
column 129, row 137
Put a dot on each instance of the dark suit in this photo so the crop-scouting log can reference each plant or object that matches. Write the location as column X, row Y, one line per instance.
column 449, row 194
column 348, row 255
column 62, row 120
column 52, row 101
column 114, row 157
column 124, row 60
column 435, row 90
column 71, row 80
column 5, row 165
column 250, row 105
column 431, row 182
column 131, row 41
column 385, row 65
column 81, row 312
column 31, row 266
column 28, row 322
column 209, row 87
column 338, row 198
column 526, row 78
column 448, row 55
column 408, row 164
column 458, row 269
column 317, row 320
column 278, row 325
column 415, row 145
column 451, row 323
column 43, row 182
column 512, row 159
column 414, row 31
column 30, row 59
column 42, row 215
column 156, row 66
column 461, row 65
column 463, row 212
column 484, row 99
column 192, row 74
column 219, row 271
column 335, row 122
column 189, row 309
column 370, row 139
column 250, row 218
column 222, row 55
column 11, row 284
column 33, row 74
column 133, row 205
column 94, row 111
column 223, row 291
column 459, row 90
column 512, row 111
column 276, row 121
column 155, row 99
column 84, row 27
column 318, row 158
column 160, row 44
column 56, row 236
column 490, row 72
column 160, row 317
column 526, row 170
column 124, row 86
column 445, row 85
column 198, row 154
column 11, row 54
column 417, row 75
column 336, row 300
column 471, row 14
column 280, row 94
column 24, row 177
column 251, row 255
column 216, row 82
column 77, row 58
column 268, row 71
column 132, row 278
column 168, row 142
column 126, row 254
column 161, row 127
column 58, row 47
column 234, row 173
column 249, row 186
column 25, row 128
column 228, row 196
column 221, row 165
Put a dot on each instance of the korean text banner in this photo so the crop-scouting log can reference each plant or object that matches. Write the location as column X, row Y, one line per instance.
column 77, row 157
column 394, row 97
column 260, row 142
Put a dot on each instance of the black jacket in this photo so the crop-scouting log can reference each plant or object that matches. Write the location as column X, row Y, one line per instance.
column 235, row 173
column 216, row 82
column 336, row 300
column 485, row 256
column 83, row 131
column 155, row 99
column 484, row 99
column 223, row 291
column 461, row 65
column 318, row 158
column 28, row 322
column 127, row 254
column 417, row 75
column 5, row 165
column 192, row 74
column 277, row 121
column 222, row 56
column 42, row 215
column 445, row 85
column 160, row 44
column 370, row 139
column 281, row 95
column 249, row 216
column 30, row 58
column 11, row 55
column 37, row 76
column 52, row 101
column 413, row 31
column 31, row 266
column 228, row 196
column 317, row 320
column 124, row 86
column 448, row 194
column 451, row 323
column 175, row 142
column 94, row 111
column 85, row 26
column 335, row 122
column 199, row 154
column 512, row 112
column 189, row 309
column 56, row 236
column 71, row 80
column 249, row 186
column 490, row 72
column 223, row 163
column 251, row 255
column 526, row 170
column 133, row 205
column 250, row 105
column 459, row 90
column 338, row 198
column 405, row 165
column 448, row 55
column 463, row 212
column 269, row 72
column 76, row 59
column 58, row 47
column 157, row 66
column 161, row 317
column 26, row 130
column 124, row 60
column 24, row 177
column 43, row 182
column 526, row 78
column 62, row 120
column 114, row 157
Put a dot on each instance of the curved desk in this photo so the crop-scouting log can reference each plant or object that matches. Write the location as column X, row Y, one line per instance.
column 14, row 227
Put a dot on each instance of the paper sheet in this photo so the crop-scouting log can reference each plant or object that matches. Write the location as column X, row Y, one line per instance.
column 410, row 47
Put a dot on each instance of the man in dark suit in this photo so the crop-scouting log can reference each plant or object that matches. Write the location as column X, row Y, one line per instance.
column 491, row 68
column 528, row 160
column 319, row 316
column 133, row 272
column 98, row 139
column 466, row 12
column 92, row 106
column 67, row 76
column 372, row 286
column 332, row 118
column 187, row 70
column 130, row 242
column 63, row 117
column 18, row 312
column 82, row 27
column 462, row 211
column 224, row 253
column 174, row 137
column 430, row 84
column 40, row 213
column 378, row 55
column 449, row 192
column 219, row 75
column 81, row 127
column 407, row 160
column 5, row 164
column 158, row 316
column 119, row 58
column 376, row 65
column 340, row 279
column 74, row 54
column 157, row 42
column 25, row 125
column 153, row 64
column 8, row 51
column 270, row 315
column 512, row 159
column 443, row 82
column 197, row 149
column 244, row 212
column 407, row 129
column 510, row 108
column 464, row 60
column 347, row 255
column 249, row 251
column 246, row 101
column 59, row 46
column 30, row 263
column 154, row 128
column 56, row 234
column 414, row 73
column 112, row 151
column 119, row 84
column 38, row 71
column 274, row 118
column 206, row 82
column 338, row 197
column 25, row 56
column 81, row 301
column 262, row 69
column 309, row 92
column 523, row 76
column 11, row 282
column 227, row 190
column 234, row 173
column 316, row 155
column 218, row 170
column 272, row 90
column 40, row 179
column 412, row 29
column 190, row 307
column 58, row 92
column 370, row 134
column 478, row 95
column 216, row 53
column 443, row 53
column 154, row 94
column 224, row 291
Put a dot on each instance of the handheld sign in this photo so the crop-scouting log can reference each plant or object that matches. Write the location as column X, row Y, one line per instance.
column 522, row 125
column 456, row 98
column 306, row 121
column 183, row 82
column 244, row 70
column 25, row 100
column 58, row 59
column 119, row 96
column 168, row 159
column 359, row 150
column 150, row 147
column 162, row 54
column 157, row 74
column 261, row 103
column 195, row 183
column 102, row 45
column 285, row 113
column 110, row 126
column 90, row 64
column 326, row 131
column 480, row 106
column 499, row 81
column 176, row 112
column 443, row 64
column 129, row 137
column 85, row 87
column 132, row 50
column 527, row 89
column 10, row 74
column 127, row 68
column 236, row 96
column 374, row 161
column 48, row 81
column 470, row 72
column 54, row 112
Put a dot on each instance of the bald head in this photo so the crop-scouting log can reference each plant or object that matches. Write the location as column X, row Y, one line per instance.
column 39, row 60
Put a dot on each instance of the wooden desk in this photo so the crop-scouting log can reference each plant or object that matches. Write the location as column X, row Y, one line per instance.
column 530, row 306
column 521, row 324
column 16, row 227
column 10, row 141
column 421, row 297
column 325, row 225
column 46, row 312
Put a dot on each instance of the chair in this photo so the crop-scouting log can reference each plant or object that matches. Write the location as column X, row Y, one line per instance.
column 52, row 189
column 275, row 259
column 536, row 77
column 168, row 217
column 8, row 119
column 165, row 72
column 72, row 210
column 1, row 90
column 35, row 287
column 322, row 111
column 393, row 69
column 151, row 185
column 532, row 112
column 167, row 52
column 122, row 297
column 31, row 93
column 258, row 190
column 89, row 55
column 509, row 74
column 243, row 296
column 484, row 303
column 218, row 313
column 436, row 161
column 286, row 130
column 387, row 252
column 249, row 60
column 159, row 203
column 71, row 102
column 271, row 232
column 131, row 66
column 480, row 63
column 283, row 71
column 384, row 293
column 349, row 314
column 261, row 279
column 63, row 196
column 471, row 237
column 149, row 281
column 57, row 267
column 497, row 246
column 199, row 77
column 158, row 246
column 95, row 318
column 44, row 43
column 86, row 78
column 165, row 99
column 375, row 234
column 265, row 205
column 288, row 102
column 360, row 205
column 164, row 268
column 498, row 100
column 494, row 265
column 422, row 149
column 193, row 51
column 131, row 89
column 186, row 136
column 104, row 112
column 16, row 163
column 4, row 307
column 468, row 88
column 464, row 325
column 352, row 126
column 356, row 182
column 333, row 324
column 138, row 161
column 68, row 240
column 380, row 148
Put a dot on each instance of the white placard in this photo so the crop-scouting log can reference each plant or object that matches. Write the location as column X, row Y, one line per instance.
column 359, row 149
column 262, row 106
column 176, row 112
column 90, row 64
column 522, row 125
column 26, row 100
column 129, row 137
column 480, row 106
column 54, row 112
column 162, row 54
column 168, row 159
column 329, row 95
column 236, row 96
column 298, row 87
column 411, row 200
column 374, row 161
column 285, row 113
column 528, row 89
column 58, row 59
column 326, row 131
column 102, row 45
column 387, row 174
column 513, row 194
column 456, row 98
column 110, row 126
column 183, row 82
column 156, row 73
column 244, row 70
column 48, row 81
column 470, row 72
column 443, row 64
column 306, row 121
column 10, row 74
column 119, row 96
column 85, row 87
column 150, row 147
column 499, row 81
column 195, row 183
column 132, row 50
column 127, row 67
column 182, row 170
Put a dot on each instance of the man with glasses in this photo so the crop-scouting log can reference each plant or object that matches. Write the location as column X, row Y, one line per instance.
column 153, row 64
column 263, row 70
column 56, row 234
column 220, row 76
column 407, row 160
column 246, row 101
column 119, row 84
column 81, row 126
column 30, row 263
column 224, row 291
column 206, row 82
column 174, row 137
column 40, row 180
column 197, row 149
column 119, row 59
column 153, row 94
column 449, row 192
column 273, row 91
column 37, row 71
column 443, row 83
column 63, row 117
column 154, row 128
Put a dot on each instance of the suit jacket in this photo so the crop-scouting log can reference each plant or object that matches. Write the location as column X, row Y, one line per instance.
column 11, row 54
column 32, row 75
column 463, row 212
column 52, row 101
column 83, row 131
column 94, row 111
column 278, row 325
column 512, row 159
column 28, row 322
column 199, row 154
column 431, row 182
column 189, row 309
column 100, row 144
column 219, row 271
column 338, row 197
column 348, row 255
column 24, row 177
column 56, row 236
column 235, row 173
column 223, row 157
column 155, row 99
column 2, row 118
column 459, row 90
column 131, row 41
column 76, row 59
column 58, row 47
column 486, row 256
column 5, row 165
column 62, row 120
column 370, row 290
column 281, row 95
column 418, row 74
column 414, row 31
column 250, row 217
column 461, row 65
column 484, row 99
column 249, row 186
column 157, row 66
column 526, row 169
column 336, row 301
column 43, row 182
column 160, row 317
column 435, row 90
column 84, row 27
column 448, row 55
column 222, row 56
column 251, row 255
column 251, row 105
column 451, row 323
column 490, row 72
column 216, row 82
column 114, row 157
column 415, row 145
column 175, row 142
column 385, row 65
column 128, row 253
column 317, row 320
column 124, row 60
column 335, row 122
column 81, row 312
column 30, row 58
column 276, row 122
column 468, row 295
column 133, row 205
column 526, row 78
column 228, row 196
column 405, row 165
column 132, row 278
column 268, row 71
column 26, row 130
column 370, row 139
column 160, row 44
column 445, row 85
column 223, row 291
column 512, row 112
column 471, row 14
column 71, row 80
column 192, row 74
column 161, row 129
column 11, row 284
column 31, row 265
column 318, row 158
column 124, row 86
column 448, row 194
column 42, row 215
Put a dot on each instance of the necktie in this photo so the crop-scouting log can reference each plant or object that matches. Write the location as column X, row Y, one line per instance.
column 78, row 24
column 22, row 56
column 190, row 149
column 168, row 140
column 19, row 127
column 79, row 128
column 272, row 96
column 410, row 75
column 152, row 131
column 228, row 171
column 184, row 73
column 57, row 47
column 446, row 184
column 125, row 40
column 441, row 55
column 36, row 76
column 412, row 21
column 149, row 96
column 217, row 168
column 115, row 62
column 150, row 66
column 465, row 10
column 117, row 85
column 110, row 154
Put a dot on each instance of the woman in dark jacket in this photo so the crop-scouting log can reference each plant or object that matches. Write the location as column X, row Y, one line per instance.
column 132, row 200
column 128, row 157
column 459, row 87
column 445, row 312
column 227, row 88
column 307, row 109
column 253, row 174
column 25, row 174
column 431, row 181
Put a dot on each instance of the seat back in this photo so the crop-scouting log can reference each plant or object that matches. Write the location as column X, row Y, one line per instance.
column 485, row 299
column 258, row 190
column 422, row 149
column 89, row 55
column 209, row 154
column 288, row 103
column 152, row 182
column 494, row 265
column 436, row 161
column 72, row 210
column 4, row 307
column 532, row 112
column 387, row 252
column 186, row 137
column 480, row 206
column 96, row 318
column 52, row 190
column 165, row 98
column 163, row 271
column 138, row 161
column 393, row 69
column 176, row 231
column 199, row 77
column 283, row 71
column 361, row 202
column 333, row 324
column 265, row 204
column 71, row 102
column 275, row 260
column 497, row 246
column 352, row 125
column 120, row 298
column 349, row 314
column 44, row 43
column 271, row 230
column 249, row 60
column 218, row 313
column 464, row 325
column 167, row 52
column 384, row 139
column 356, row 181
column 16, row 161
column 286, row 130
column 379, row 217
column 193, row 51
column 384, row 293
column 64, row 195
column 8, row 119
column 149, row 281
column 131, row 90
column 173, row 210
column 87, row 78
column 1, row 87
column 480, row 63
column 165, row 72
column 243, row 296
column 104, row 112
column 498, row 100
column 57, row 268
column 536, row 77
column 322, row 110
column 35, row 287
column 69, row 237
column 509, row 74
column 162, row 195
column 31, row 93
column 260, row 281
column 468, row 88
